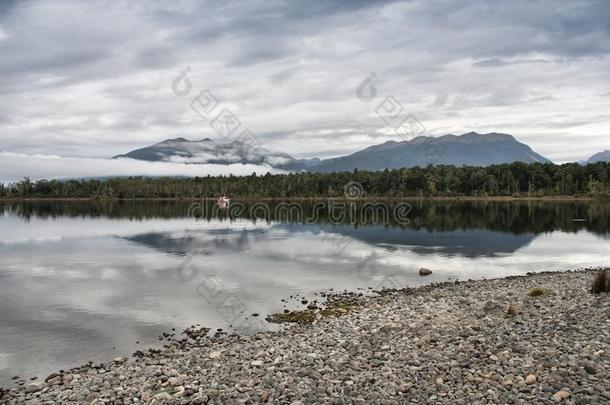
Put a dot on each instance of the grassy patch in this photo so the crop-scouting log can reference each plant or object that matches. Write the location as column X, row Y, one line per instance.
column 307, row 316
column 536, row 292
column 303, row 317
column 339, row 309
column 601, row 282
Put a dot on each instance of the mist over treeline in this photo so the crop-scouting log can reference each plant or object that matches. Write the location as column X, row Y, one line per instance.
column 514, row 179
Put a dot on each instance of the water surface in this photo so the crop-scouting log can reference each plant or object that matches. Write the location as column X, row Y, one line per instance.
column 84, row 281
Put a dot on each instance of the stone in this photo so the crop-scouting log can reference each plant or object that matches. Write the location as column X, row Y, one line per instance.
column 424, row 271
column 162, row 396
column 51, row 377
column 491, row 305
column 34, row 387
column 530, row 379
column 590, row 368
column 404, row 387
column 561, row 395
column 54, row 381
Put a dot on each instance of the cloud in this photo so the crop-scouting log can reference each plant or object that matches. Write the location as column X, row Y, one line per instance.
column 496, row 62
column 15, row 166
column 287, row 69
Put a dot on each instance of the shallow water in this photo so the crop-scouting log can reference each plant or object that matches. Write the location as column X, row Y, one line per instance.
column 85, row 281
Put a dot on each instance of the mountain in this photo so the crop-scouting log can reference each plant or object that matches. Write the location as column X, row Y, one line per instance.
column 471, row 149
column 599, row 157
column 180, row 150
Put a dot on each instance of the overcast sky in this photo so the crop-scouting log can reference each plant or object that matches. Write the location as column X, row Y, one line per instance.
column 94, row 79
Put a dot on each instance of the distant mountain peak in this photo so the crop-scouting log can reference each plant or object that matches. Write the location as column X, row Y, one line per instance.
column 471, row 149
column 603, row 156
column 206, row 151
column 490, row 136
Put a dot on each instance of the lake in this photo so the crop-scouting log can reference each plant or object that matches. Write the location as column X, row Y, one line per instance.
column 91, row 281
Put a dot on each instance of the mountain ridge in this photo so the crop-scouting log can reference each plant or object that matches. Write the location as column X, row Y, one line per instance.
column 471, row 149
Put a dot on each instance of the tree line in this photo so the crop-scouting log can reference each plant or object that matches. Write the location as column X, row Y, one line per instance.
column 514, row 179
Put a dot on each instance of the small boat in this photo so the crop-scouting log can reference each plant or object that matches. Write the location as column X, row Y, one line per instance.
column 223, row 201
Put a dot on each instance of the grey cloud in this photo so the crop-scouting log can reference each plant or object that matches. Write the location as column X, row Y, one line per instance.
column 495, row 62
column 441, row 99
column 255, row 56
column 570, row 122
column 92, row 79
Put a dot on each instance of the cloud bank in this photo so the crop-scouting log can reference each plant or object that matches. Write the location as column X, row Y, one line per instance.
column 16, row 166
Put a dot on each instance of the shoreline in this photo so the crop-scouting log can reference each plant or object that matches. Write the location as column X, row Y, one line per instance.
column 441, row 343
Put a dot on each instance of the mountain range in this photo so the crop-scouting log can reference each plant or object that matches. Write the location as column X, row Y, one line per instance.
column 472, row 149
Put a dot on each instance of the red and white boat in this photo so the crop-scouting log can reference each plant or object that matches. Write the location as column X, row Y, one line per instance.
column 223, row 201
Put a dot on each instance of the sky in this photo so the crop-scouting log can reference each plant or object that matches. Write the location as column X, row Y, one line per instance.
column 93, row 79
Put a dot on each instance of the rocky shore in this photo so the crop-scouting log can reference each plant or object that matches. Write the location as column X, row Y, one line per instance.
column 540, row 338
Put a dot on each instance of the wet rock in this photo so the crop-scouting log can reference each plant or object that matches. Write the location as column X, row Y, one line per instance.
column 424, row 271
column 51, row 376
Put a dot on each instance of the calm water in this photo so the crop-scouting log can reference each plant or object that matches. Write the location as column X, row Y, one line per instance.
column 85, row 281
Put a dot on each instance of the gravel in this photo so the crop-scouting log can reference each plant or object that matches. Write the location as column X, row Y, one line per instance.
column 450, row 343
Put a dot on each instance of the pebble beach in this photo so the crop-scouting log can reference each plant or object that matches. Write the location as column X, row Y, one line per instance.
column 541, row 338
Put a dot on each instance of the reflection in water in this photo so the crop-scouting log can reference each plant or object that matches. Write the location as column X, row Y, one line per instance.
column 506, row 216
column 86, row 281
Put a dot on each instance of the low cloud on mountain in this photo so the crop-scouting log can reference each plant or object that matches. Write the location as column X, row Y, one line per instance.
column 16, row 166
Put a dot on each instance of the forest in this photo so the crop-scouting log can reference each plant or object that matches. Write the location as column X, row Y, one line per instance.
column 514, row 179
